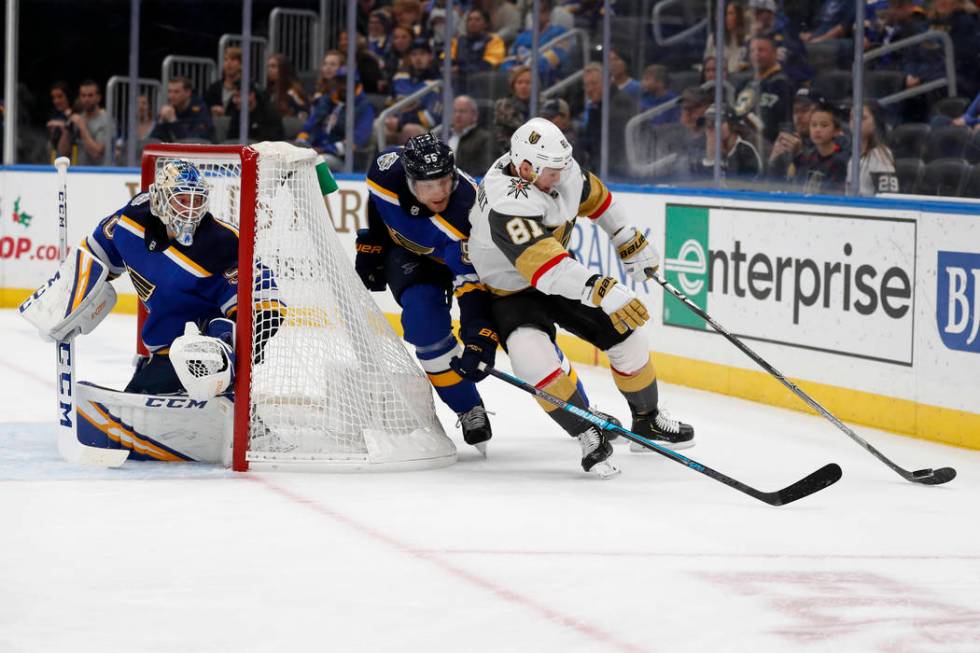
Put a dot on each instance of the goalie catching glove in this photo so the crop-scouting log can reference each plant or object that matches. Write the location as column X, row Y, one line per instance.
column 636, row 253
column 74, row 300
column 479, row 353
column 620, row 303
column 205, row 364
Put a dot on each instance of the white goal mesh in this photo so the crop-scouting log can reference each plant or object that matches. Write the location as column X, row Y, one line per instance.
column 331, row 385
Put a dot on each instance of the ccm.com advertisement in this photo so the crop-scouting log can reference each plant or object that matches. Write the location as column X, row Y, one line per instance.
column 836, row 283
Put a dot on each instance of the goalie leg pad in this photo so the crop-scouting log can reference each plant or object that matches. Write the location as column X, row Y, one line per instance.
column 75, row 300
column 155, row 427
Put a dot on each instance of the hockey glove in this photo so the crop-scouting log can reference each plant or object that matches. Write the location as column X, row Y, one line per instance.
column 636, row 253
column 619, row 302
column 479, row 353
column 370, row 261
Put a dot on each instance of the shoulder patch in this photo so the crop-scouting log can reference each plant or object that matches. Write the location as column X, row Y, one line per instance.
column 385, row 161
column 142, row 198
column 231, row 276
column 518, row 188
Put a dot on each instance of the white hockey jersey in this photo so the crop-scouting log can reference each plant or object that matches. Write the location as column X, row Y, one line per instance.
column 520, row 233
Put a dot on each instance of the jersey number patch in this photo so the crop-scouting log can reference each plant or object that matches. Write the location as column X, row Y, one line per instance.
column 521, row 230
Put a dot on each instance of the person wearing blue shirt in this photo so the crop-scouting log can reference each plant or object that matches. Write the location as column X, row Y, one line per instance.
column 655, row 93
column 325, row 129
column 427, row 112
column 835, row 20
column 551, row 59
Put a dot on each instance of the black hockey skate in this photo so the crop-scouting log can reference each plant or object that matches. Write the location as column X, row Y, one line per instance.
column 595, row 452
column 476, row 427
column 611, row 436
column 662, row 429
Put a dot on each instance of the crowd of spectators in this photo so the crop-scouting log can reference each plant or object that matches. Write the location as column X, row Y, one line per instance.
column 786, row 67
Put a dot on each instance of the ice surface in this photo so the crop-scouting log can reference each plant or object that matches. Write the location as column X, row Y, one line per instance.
column 519, row 552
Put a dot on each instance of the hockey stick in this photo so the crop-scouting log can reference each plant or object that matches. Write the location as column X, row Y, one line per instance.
column 818, row 480
column 925, row 476
column 69, row 447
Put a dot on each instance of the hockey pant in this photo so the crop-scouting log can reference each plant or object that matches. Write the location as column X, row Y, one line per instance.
column 428, row 327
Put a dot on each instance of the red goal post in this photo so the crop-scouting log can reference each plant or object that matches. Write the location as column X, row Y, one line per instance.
column 335, row 389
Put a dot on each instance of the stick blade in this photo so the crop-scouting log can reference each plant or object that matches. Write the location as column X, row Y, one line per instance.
column 818, row 480
column 933, row 476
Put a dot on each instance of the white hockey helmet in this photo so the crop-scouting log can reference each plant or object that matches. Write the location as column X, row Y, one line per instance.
column 179, row 197
column 542, row 144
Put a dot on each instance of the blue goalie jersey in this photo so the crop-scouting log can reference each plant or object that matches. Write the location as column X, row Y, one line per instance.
column 413, row 226
column 176, row 284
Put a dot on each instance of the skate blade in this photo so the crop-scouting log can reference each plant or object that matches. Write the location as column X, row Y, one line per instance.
column 604, row 470
column 639, row 448
column 482, row 448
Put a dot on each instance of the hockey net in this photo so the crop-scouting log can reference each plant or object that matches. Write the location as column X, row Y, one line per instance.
column 322, row 380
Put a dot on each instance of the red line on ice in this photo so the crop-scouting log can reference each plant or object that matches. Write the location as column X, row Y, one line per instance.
column 434, row 557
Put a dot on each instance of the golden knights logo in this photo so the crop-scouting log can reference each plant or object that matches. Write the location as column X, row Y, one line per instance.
column 518, row 187
column 534, row 138
column 144, row 288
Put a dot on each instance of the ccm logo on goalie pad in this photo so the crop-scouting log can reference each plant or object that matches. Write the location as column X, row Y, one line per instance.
column 174, row 402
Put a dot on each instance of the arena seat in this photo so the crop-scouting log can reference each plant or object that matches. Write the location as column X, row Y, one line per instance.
column 951, row 107
column 677, row 81
column 972, row 152
column 943, row 177
column 292, row 126
column 909, row 171
column 824, row 55
column 834, row 85
column 221, row 124
column 947, row 142
column 488, row 84
column 908, row 140
column 882, row 83
column 971, row 185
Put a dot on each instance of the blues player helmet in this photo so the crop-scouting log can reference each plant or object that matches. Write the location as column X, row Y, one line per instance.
column 425, row 157
column 179, row 198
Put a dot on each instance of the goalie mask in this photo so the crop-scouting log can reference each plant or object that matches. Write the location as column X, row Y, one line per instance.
column 179, row 198
column 542, row 144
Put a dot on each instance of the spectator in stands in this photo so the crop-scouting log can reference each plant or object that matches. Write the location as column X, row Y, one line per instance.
column 904, row 19
column 58, row 119
column 655, row 93
column 90, row 130
column 834, row 20
column 219, row 93
column 550, row 59
column 740, row 159
column 558, row 112
column 619, row 71
column 397, row 58
column 379, row 33
column 472, row 144
column 325, row 129
column 622, row 108
column 284, row 91
column 821, row 168
column 877, row 161
column 959, row 19
column 265, row 123
column 971, row 117
column 184, row 116
column 144, row 118
column 769, row 94
column 790, row 51
column 331, row 63
column 408, row 14
column 435, row 28
column 512, row 111
column 505, row 17
column 364, row 10
column 694, row 103
column 794, row 137
column 369, row 67
column 736, row 35
column 421, row 72
column 478, row 49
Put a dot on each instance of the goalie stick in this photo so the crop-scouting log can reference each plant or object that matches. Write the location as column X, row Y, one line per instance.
column 818, row 480
column 69, row 447
column 927, row 476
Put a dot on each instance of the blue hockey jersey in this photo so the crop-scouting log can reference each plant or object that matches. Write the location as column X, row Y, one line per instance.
column 412, row 225
column 176, row 284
